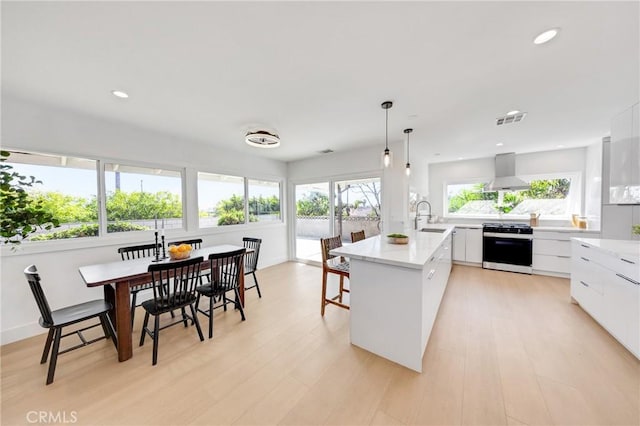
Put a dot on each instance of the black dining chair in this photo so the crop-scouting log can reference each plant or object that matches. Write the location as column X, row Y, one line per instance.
column 137, row 252
column 251, row 260
column 56, row 320
column 225, row 277
column 195, row 243
column 174, row 287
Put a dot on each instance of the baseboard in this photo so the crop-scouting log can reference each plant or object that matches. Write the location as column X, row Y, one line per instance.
column 551, row 274
column 20, row 333
column 460, row 262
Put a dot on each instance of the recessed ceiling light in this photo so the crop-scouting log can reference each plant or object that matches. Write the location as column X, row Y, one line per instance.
column 120, row 94
column 460, row 158
column 437, row 154
column 499, row 144
column 546, row 36
column 513, row 112
column 560, row 146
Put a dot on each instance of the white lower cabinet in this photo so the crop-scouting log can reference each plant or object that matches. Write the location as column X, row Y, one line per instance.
column 467, row 245
column 600, row 286
column 552, row 251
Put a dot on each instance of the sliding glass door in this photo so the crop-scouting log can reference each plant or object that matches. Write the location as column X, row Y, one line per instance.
column 357, row 207
column 312, row 219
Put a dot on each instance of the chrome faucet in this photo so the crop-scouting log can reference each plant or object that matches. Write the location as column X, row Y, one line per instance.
column 418, row 213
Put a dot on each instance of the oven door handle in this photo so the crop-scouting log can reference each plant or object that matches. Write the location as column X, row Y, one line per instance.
column 505, row 236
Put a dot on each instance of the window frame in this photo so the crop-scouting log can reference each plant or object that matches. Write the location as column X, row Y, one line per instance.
column 575, row 196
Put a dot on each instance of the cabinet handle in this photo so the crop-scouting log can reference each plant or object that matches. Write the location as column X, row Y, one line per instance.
column 431, row 272
column 585, row 259
column 565, row 257
column 584, row 284
column 628, row 261
column 431, row 260
column 584, row 245
column 628, row 279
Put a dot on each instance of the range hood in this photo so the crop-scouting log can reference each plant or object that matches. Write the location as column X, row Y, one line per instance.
column 506, row 179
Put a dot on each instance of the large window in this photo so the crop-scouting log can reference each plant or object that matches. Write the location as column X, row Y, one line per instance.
column 64, row 198
column 138, row 196
column 552, row 196
column 220, row 200
column 64, row 187
column 264, row 200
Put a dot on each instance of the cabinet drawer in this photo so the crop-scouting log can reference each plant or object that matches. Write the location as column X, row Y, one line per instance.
column 551, row 235
column 591, row 254
column 590, row 274
column 552, row 247
column 628, row 267
column 543, row 262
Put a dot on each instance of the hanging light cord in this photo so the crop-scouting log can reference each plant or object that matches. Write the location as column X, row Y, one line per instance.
column 386, row 129
column 408, row 148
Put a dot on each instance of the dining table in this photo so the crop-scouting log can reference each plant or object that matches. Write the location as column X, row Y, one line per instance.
column 117, row 277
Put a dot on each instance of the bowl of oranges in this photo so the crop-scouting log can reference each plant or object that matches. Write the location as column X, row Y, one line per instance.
column 179, row 252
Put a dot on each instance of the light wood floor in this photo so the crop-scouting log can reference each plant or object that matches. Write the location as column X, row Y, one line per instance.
column 506, row 349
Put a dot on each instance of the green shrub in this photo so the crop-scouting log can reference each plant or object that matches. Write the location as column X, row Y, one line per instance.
column 234, row 217
column 90, row 230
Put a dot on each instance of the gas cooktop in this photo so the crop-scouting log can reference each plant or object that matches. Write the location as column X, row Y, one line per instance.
column 508, row 228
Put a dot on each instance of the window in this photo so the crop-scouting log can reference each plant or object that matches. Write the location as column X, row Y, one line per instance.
column 553, row 196
column 220, row 200
column 137, row 196
column 67, row 190
column 264, row 200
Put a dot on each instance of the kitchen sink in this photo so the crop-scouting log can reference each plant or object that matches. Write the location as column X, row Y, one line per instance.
column 436, row 230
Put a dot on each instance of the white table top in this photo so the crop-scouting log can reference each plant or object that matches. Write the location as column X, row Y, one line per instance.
column 415, row 254
column 106, row 273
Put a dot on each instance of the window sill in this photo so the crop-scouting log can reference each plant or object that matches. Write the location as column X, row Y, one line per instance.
column 123, row 238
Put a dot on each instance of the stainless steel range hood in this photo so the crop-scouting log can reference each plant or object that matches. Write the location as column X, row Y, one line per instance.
column 506, row 179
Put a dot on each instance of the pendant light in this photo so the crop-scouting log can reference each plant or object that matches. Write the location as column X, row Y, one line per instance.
column 386, row 159
column 408, row 169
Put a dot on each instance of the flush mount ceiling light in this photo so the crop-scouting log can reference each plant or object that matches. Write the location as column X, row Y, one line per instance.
column 546, row 36
column 408, row 167
column 120, row 94
column 386, row 159
column 262, row 139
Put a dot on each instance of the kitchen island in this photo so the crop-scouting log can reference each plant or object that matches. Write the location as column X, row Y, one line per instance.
column 396, row 291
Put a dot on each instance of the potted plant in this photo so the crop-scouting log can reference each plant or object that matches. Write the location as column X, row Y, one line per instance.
column 20, row 216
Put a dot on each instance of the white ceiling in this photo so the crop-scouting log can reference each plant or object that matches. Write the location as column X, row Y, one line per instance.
column 317, row 72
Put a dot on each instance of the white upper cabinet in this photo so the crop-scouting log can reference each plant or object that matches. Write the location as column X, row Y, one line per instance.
column 624, row 166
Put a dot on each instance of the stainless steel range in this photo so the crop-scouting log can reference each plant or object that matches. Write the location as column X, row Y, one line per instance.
column 507, row 247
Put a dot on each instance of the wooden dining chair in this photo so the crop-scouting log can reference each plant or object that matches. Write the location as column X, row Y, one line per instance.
column 357, row 236
column 137, row 252
column 174, row 287
column 333, row 265
column 225, row 277
column 56, row 320
column 251, row 260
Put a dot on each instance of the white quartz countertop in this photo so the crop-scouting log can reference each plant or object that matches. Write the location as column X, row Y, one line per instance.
column 415, row 254
column 621, row 248
column 535, row 228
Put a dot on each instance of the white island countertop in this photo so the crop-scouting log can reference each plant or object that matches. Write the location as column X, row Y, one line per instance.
column 620, row 248
column 415, row 254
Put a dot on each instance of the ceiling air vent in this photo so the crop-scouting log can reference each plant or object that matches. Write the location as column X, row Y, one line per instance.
column 325, row 151
column 508, row 119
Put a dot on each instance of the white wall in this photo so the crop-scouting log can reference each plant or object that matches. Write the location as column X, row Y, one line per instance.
column 593, row 185
column 34, row 127
column 567, row 160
